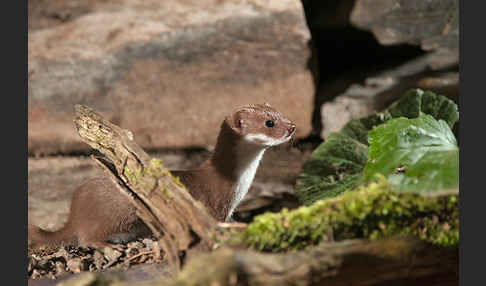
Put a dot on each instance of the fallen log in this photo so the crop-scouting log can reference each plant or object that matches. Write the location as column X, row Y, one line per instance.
column 355, row 262
column 179, row 222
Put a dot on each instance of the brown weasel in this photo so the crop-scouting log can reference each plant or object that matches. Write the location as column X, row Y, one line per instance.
column 99, row 213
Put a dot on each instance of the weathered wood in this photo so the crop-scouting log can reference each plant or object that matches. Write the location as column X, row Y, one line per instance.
column 162, row 201
column 383, row 262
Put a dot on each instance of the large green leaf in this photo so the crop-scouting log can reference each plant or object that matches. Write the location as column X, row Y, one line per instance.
column 418, row 155
column 416, row 102
column 337, row 164
column 333, row 168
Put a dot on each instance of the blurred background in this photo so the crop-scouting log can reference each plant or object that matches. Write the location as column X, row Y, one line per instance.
column 170, row 71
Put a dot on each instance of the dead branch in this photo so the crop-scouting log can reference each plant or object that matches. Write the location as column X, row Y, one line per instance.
column 164, row 204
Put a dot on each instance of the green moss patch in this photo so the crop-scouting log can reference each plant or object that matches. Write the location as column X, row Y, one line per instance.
column 150, row 174
column 369, row 212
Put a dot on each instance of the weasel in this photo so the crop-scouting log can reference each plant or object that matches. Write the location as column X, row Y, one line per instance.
column 99, row 213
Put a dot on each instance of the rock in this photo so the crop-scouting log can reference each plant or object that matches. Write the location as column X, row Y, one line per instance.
column 446, row 83
column 47, row 13
column 169, row 72
column 434, row 24
column 379, row 90
column 335, row 114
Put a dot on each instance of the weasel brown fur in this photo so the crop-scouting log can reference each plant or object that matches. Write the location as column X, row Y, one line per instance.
column 99, row 213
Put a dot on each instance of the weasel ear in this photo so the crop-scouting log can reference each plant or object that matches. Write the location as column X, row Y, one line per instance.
column 238, row 121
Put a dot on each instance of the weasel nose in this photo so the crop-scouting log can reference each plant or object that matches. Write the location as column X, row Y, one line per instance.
column 291, row 128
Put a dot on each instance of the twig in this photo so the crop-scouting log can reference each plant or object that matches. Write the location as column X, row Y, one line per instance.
column 138, row 255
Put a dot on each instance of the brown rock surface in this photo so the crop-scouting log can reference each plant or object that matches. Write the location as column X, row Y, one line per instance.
column 168, row 71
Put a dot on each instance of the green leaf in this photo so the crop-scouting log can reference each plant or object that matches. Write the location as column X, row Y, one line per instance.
column 418, row 155
column 333, row 168
column 337, row 165
column 416, row 102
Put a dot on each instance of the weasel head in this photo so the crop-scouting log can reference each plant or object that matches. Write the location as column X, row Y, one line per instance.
column 261, row 125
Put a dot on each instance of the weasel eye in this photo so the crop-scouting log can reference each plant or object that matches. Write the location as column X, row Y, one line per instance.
column 269, row 123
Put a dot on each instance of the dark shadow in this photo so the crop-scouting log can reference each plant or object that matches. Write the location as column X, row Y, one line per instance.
column 342, row 54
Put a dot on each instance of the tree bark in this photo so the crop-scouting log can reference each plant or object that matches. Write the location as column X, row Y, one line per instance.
column 162, row 202
column 393, row 261
column 344, row 263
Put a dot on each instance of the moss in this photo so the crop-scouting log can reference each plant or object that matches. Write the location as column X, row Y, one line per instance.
column 165, row 192
column 155, row 168
column 178, row 182
column 130, row 174
column 153, row 171
column 370, row 212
